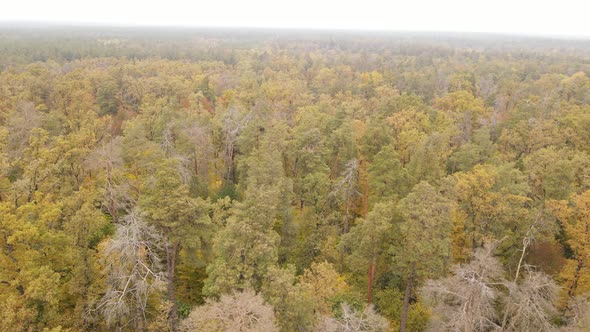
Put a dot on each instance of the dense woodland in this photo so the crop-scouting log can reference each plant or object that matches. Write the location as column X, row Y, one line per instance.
column 219, row 180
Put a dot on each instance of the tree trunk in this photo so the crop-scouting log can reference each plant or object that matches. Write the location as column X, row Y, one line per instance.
column 473, row 241
column 572, row 290
column 139, row 309
column 364, row 188
column 171, row 253
column 371, row 278
column 406, row 305
column 345, row 229
column 139, row 326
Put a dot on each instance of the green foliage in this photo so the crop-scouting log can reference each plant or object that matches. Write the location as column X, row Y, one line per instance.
column 106, row 97
column 389, row 304
column 388, row 179
column 248, row 244
column 321, row 171
column 479, row 151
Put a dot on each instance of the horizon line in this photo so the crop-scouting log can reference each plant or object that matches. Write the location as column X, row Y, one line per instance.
column 77, row 24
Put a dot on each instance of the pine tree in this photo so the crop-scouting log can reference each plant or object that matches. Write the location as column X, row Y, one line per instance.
column 425, row 244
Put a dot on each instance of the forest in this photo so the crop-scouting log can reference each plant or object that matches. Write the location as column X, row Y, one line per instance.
column 253, row 180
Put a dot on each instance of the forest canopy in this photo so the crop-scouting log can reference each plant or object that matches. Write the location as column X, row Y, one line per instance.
column 257, row 180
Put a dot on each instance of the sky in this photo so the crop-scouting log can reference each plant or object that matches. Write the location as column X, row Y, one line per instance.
column 529, row 17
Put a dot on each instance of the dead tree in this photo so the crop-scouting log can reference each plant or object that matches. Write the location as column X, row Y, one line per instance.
column 528, row 306
column 241, row 312
column 353, row 321
column 232, row 127
column 133, row 273
column 347, row 187
column 465, row 301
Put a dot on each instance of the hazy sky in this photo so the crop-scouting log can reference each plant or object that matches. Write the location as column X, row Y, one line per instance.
column 563, row 17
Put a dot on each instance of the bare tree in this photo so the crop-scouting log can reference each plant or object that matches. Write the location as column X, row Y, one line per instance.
column 20, row 124
column 486, row 86
column 108, row 158
column 465, row 300
column 477, row 295
column 578, row 313
column 353, row 321
column 133, row 272
column 198, row 163
column 239, row 312
column 168, row 141
column 347, row 187
column 529, row 305
column 537, row 227
column 232, row 127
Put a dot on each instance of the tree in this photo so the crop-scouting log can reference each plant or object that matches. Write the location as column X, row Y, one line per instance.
column 19, row 127
column 529, row 304
column 308, row 153
column 183, row 221
column 574, row 218
column 486, row 211
column 387, row 178
column 389, row 303
column 368, row 241
column 87, row 226
column 134, row 273
column 233, row 125
column 555, row 174
column 466, row 111
column 294, row 302
column 324, row 282
column 243, row 311
column 410, row 127
column 574, row 89
column 154, row 181
column 479, row 150
column 425, row 245
column 353, row 321
column 429, row 158
column 465, row 300
column 577, row 120
column 303, row 302
column 376, row 137
column 527, row 136
column 32, row 255
column 578, row 314
column 347, row 188
column 248, row 244
column 107, row 96
column 468, row 299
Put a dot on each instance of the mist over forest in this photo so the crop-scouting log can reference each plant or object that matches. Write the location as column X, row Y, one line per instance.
column 225, row 179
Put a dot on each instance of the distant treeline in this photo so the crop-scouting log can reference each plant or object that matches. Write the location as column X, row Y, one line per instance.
column 256, row 180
